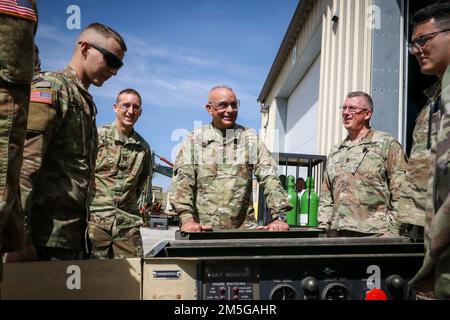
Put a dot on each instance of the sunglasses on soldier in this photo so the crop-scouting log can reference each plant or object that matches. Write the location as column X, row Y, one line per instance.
column 110, row 58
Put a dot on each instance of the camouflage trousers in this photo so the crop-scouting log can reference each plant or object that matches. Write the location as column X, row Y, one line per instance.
column 116, row 243
column 14, row 104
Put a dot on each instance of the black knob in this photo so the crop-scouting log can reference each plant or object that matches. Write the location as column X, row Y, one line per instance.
column 396, row 287
column 310, row 288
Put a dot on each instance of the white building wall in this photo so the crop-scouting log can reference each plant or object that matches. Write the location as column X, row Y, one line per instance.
column 302, row 113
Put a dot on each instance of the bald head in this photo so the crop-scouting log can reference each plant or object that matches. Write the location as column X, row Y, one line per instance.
column 213, row 91
column 222, row 106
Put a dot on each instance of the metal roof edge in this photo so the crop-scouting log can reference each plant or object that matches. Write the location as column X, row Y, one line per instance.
column 285, row 46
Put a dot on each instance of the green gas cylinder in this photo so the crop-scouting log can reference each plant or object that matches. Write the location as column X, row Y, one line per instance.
column 309, row 205
column 292, row 197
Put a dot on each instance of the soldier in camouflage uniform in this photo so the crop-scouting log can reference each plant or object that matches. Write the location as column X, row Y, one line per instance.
column 122, row 169
column 361, row 185
column 430, row 43
column 17, row 28
column 60, row 149
column 425, row 44
column 212, row 179
column 432, row 280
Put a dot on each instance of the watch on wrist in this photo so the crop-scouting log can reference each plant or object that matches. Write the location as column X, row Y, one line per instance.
column 281, row 217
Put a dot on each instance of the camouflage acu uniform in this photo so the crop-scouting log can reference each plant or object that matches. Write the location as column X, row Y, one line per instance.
column 122, row 169
column 433, row 279
column 413, row 195
column 59, row 159
column 212, row 180
column 360, row 189
column 16, row 72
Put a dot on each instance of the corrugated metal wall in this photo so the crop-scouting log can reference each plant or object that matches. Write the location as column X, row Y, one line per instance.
column 345, row 65
column 311, row 21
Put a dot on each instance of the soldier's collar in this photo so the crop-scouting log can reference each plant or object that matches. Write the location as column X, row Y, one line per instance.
column 434, row 91
column 68, row 70
column 223, row 131
column 366, row 139
column 117, row 136
column 215, row 134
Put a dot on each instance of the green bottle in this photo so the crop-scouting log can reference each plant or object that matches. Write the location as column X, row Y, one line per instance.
column 292, row 197
column 309, row 205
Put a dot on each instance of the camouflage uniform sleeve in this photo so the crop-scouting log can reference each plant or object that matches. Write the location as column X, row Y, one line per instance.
column 326, row 208
column 146, row 174
column 266, row 173
column 439, row 191
column 395, row 168
column 48, row 106
column 182, row 190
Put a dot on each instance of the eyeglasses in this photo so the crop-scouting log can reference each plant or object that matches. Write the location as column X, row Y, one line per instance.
column 351, row 109
column 421, row 41
column 223, row 105
column 110, row 58
column 127, row 105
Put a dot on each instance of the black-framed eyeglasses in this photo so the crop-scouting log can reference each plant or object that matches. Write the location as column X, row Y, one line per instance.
column 223, row 105
column 421, row 41
column 352, row 109
column 127, row 105
column 110, row 58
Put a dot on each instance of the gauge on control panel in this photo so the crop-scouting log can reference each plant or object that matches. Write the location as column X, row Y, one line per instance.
column 283, row 292
column 336, row 291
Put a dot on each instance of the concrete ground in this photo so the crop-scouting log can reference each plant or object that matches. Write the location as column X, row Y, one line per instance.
column 152, row 237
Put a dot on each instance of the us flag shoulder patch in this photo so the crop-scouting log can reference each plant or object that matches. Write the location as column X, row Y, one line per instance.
column 20, row 8
column 41, row 96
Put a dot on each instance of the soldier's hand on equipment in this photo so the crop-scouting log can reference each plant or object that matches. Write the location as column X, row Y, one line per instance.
column 192, row 226
column 275, row 226
column 27, row 254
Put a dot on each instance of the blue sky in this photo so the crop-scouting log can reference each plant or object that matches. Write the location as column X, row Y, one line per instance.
column 177, row 51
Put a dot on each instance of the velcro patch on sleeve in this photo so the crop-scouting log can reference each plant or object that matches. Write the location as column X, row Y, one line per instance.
column 43, row 84
column 42, row 96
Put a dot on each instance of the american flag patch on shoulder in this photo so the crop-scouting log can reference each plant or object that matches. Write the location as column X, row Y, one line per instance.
column 41, row 96
column 19, row 8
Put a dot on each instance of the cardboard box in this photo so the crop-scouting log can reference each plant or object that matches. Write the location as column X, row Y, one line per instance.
column 73, row 280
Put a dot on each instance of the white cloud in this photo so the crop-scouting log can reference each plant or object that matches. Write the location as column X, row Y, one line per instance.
column 56, row 35
column 168, row 77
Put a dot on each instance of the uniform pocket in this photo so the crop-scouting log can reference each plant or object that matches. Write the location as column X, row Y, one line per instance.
column 136, row 163
column 72, row 133
column 206, row 171
column 372, row 162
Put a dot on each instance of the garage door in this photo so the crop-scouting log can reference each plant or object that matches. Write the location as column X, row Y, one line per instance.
column 302, row 113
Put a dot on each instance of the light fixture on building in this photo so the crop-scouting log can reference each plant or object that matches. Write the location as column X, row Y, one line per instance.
column 335, row 17
column 263, row 108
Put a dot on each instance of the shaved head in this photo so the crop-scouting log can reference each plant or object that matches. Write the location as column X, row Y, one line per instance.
column 98, row 33
column 98, row 54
